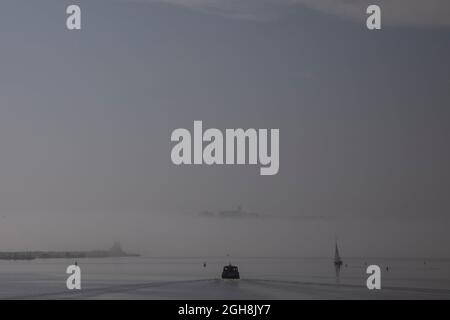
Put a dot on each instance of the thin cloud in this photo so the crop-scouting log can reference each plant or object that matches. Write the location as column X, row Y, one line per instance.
column 252, row 10
column 403, row 13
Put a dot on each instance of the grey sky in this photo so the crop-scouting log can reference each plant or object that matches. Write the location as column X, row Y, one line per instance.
column 407, row 13
column 86, row 117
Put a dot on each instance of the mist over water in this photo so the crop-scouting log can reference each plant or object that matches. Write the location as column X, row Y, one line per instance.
column 85, row 151
column 188, row 235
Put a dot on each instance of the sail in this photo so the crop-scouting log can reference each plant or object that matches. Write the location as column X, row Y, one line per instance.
column 337, row 258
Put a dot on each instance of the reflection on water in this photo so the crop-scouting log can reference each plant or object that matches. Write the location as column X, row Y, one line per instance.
column 337, row 269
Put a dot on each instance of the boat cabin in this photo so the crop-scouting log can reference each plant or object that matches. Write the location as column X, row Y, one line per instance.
column 230, row 272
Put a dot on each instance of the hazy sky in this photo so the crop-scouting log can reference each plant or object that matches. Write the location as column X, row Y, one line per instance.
column 364, row 119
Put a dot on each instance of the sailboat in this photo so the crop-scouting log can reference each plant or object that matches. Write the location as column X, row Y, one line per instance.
column 337, row 258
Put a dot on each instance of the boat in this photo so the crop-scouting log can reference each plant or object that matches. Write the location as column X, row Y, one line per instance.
column 337, row 259
column 230, row 272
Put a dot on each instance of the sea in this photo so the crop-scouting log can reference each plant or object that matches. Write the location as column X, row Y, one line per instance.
column 183, row 278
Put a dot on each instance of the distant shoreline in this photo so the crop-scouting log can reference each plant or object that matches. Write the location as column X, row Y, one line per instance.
column 60, row 255
column 115, row 251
